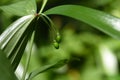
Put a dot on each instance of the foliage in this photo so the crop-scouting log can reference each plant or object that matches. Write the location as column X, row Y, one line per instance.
column 6, row 72
column 84, row 50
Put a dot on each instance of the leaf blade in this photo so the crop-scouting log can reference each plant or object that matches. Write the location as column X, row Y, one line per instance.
column 14, row 39
column 12, row 29
column 28, row 7
column 100, row 20
column 6, row 72
column 57, row 64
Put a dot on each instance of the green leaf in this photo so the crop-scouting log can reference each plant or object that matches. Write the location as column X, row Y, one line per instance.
column 6, row 72
column 100, row 20
column 18, row 50
column 14, row 39
column 21, row 8
column 57, row 64
column 30, row 6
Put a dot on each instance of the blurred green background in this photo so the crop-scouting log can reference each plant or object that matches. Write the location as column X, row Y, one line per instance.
column 93, row 54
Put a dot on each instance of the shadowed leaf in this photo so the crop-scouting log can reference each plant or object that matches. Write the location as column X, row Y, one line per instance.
column 6, row 72
column 57, row 64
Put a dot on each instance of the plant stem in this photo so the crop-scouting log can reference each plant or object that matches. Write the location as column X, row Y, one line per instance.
column 43, row 5
column 29, row 56
column 51, row 23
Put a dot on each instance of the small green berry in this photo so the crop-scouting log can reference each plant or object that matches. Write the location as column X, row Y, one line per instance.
column 56, row 45
column 58, row 38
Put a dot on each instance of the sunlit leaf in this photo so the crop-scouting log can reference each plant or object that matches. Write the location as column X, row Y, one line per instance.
column 14, row 39
column 21, row 8
column 6, row 72
column 100, row 20
column 57, row 64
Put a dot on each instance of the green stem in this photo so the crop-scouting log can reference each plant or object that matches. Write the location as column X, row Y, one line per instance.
column 43, row 5
column 46, row 21
column 29, row 56
column 51, row 23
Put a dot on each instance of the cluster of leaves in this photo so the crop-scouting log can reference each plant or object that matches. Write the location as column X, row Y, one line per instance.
column 14, row 39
